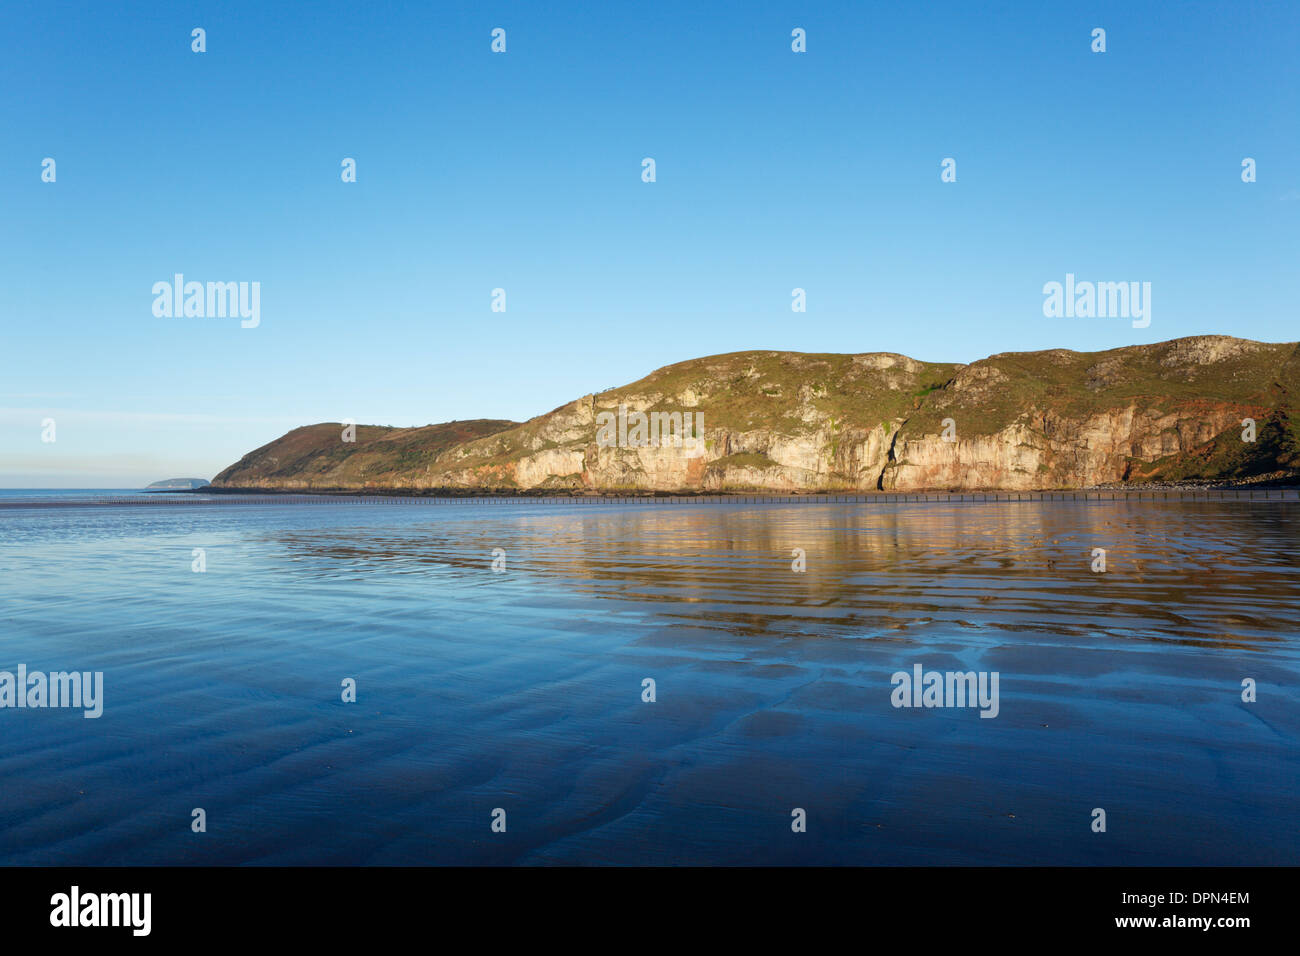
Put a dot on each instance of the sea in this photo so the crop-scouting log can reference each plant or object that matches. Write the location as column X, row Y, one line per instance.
column 349, row 681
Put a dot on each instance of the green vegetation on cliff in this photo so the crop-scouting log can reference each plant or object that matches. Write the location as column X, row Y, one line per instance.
column 795, row 421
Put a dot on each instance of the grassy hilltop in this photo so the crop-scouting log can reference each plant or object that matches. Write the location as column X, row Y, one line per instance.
column 790, row 421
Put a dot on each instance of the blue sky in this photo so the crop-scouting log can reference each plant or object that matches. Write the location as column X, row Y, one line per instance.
column 522, row 171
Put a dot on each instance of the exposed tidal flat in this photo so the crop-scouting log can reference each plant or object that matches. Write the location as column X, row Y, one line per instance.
column 521, row 689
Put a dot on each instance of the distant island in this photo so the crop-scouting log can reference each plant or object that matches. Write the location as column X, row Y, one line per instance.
column 1205, row 408
column 178, row 484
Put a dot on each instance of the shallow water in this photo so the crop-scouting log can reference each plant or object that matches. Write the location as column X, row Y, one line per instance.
column 522, row 689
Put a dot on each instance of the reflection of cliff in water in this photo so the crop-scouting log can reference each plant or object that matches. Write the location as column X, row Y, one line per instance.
column 1203, row 573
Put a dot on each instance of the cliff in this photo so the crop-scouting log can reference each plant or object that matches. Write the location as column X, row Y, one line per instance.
column 788, row 421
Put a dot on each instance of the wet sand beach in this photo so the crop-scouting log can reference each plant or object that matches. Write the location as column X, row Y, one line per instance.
column 522, row 689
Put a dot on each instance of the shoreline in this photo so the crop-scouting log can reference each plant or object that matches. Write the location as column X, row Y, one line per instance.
column 1271, row 482
column 1275, row 494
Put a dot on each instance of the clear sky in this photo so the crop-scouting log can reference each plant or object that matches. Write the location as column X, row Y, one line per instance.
column 522, row 171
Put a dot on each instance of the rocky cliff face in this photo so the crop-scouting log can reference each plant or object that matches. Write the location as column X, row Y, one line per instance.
column 785, row 421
